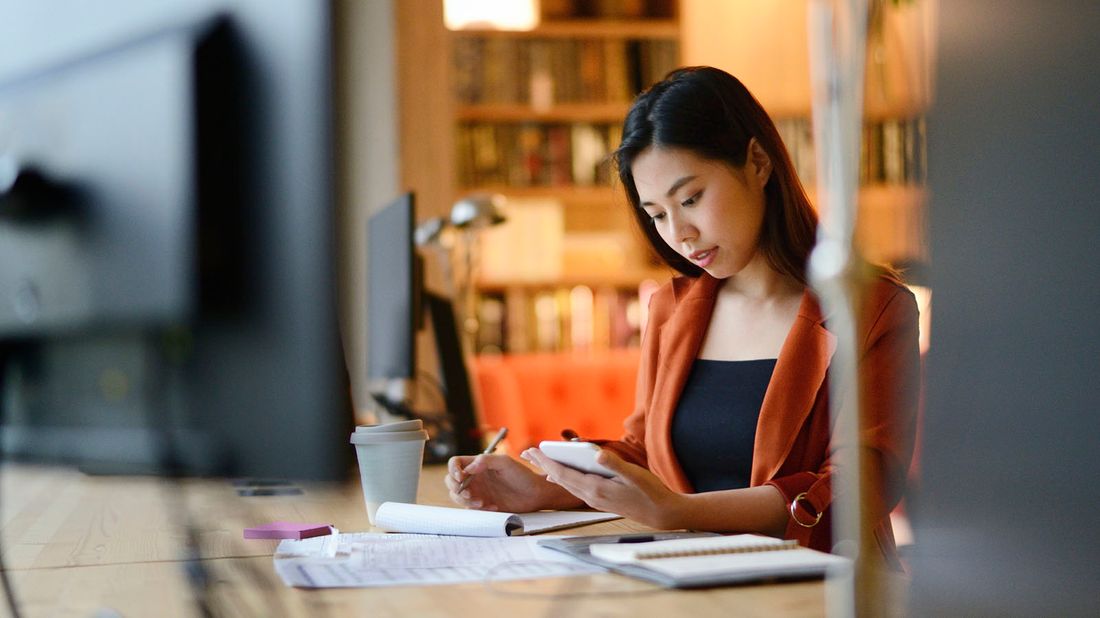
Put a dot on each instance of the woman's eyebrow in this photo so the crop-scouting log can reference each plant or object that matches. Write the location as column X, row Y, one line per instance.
column 672, row 190
column 679, row 183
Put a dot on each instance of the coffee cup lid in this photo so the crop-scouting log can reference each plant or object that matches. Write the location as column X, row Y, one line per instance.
column 383, row 437
column 410, row 425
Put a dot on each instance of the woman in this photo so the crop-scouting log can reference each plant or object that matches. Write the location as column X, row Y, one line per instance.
column 731, row 430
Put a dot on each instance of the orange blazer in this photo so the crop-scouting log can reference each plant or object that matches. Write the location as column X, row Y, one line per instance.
column 794, row 446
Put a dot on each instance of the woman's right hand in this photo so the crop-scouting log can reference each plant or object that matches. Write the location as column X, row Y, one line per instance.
column 500, row 483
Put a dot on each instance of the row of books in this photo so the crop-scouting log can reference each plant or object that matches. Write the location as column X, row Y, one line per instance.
column 544, row 72
column 577, row 318
column 798, row 136
column 893, row 151
column 533, row 155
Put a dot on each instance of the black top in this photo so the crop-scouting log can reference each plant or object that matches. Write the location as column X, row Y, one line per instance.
column 714, row 425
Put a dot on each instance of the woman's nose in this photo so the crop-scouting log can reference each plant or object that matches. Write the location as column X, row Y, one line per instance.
column 682, row 230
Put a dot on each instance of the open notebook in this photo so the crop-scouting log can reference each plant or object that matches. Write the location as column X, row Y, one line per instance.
column 424, row 519
column 699, row 561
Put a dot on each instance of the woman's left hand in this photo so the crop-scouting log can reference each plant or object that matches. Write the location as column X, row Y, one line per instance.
column 634, row 492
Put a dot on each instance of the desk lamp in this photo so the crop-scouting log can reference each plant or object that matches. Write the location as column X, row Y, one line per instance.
column 470, row 215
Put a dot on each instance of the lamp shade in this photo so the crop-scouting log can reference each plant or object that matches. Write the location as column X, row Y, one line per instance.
column 477, row 211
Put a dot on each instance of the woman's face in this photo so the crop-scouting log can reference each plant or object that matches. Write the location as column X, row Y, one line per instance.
column 707, row 211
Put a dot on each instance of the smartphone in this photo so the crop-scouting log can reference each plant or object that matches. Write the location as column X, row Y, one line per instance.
column 578, row 455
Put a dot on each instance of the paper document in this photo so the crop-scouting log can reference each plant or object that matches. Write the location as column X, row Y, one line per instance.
column 367, row 559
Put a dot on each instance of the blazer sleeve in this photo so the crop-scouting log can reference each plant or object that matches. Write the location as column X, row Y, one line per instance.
column 889, row 386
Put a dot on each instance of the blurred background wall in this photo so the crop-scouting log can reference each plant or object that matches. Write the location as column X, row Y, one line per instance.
column 1006, row 520
column 368, row 151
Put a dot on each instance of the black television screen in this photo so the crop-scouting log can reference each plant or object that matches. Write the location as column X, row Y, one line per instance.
column 166, row 242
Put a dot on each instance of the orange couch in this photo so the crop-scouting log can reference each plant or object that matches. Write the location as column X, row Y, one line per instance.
column 538, row 395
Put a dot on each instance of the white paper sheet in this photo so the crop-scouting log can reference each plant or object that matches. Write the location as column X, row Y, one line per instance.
column 422, row 518
column 544, row 521
column 368, row 559
column 426, row 519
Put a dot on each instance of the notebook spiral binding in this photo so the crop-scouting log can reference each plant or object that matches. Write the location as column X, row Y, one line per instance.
column 709, row 551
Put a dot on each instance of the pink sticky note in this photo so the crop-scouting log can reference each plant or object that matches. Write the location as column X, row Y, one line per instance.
column 287, row 530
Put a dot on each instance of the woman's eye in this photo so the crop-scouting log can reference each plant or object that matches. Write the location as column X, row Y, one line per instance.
column 691, row 200
column 657, row 217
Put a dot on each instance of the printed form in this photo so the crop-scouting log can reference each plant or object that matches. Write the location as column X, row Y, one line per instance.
column 366, row 559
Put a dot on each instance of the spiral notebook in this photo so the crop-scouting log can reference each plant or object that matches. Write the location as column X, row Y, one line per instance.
column 701, row 561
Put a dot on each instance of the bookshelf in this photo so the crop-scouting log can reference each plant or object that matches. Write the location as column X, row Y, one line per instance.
column 535, row 115
column 532, row 115
column 765, row 44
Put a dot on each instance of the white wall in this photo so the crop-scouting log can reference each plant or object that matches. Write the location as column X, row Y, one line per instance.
column 367, row 158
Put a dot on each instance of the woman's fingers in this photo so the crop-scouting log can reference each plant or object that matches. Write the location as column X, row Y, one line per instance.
column 456, row 467
column 460, row 473
column 476, row 465
column 460, row 470
column 552, row 468
column 625, row 472
column 463, row 497
column 578, row 483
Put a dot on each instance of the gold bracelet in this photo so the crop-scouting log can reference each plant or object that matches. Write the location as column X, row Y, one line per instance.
column 794, row 511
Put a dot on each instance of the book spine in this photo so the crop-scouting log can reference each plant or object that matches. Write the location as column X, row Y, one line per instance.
column 534, row 155
column 523, row 319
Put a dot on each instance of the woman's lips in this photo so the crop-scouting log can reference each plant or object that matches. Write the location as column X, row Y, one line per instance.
column 704, row 258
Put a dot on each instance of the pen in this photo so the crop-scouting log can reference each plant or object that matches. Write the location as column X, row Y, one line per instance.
column 488, row 450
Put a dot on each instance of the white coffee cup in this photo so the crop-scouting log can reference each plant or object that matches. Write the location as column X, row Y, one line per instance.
column 389, row 465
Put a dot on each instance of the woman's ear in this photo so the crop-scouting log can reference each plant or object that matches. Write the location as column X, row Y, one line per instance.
column 759, row 163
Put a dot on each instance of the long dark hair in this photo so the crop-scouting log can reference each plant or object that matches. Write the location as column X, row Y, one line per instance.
column 710, row 113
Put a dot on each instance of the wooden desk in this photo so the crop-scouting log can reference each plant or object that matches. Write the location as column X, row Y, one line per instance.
column 75, row 545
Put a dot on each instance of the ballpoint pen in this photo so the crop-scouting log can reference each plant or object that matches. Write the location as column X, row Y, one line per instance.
column 488, row 450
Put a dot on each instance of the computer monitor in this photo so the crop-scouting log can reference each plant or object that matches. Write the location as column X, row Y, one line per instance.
column 394, row 284
column 167, row 270
column 397, row 305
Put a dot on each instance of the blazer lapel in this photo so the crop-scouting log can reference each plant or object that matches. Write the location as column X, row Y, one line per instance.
column 679, row 342
column 799, row 374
